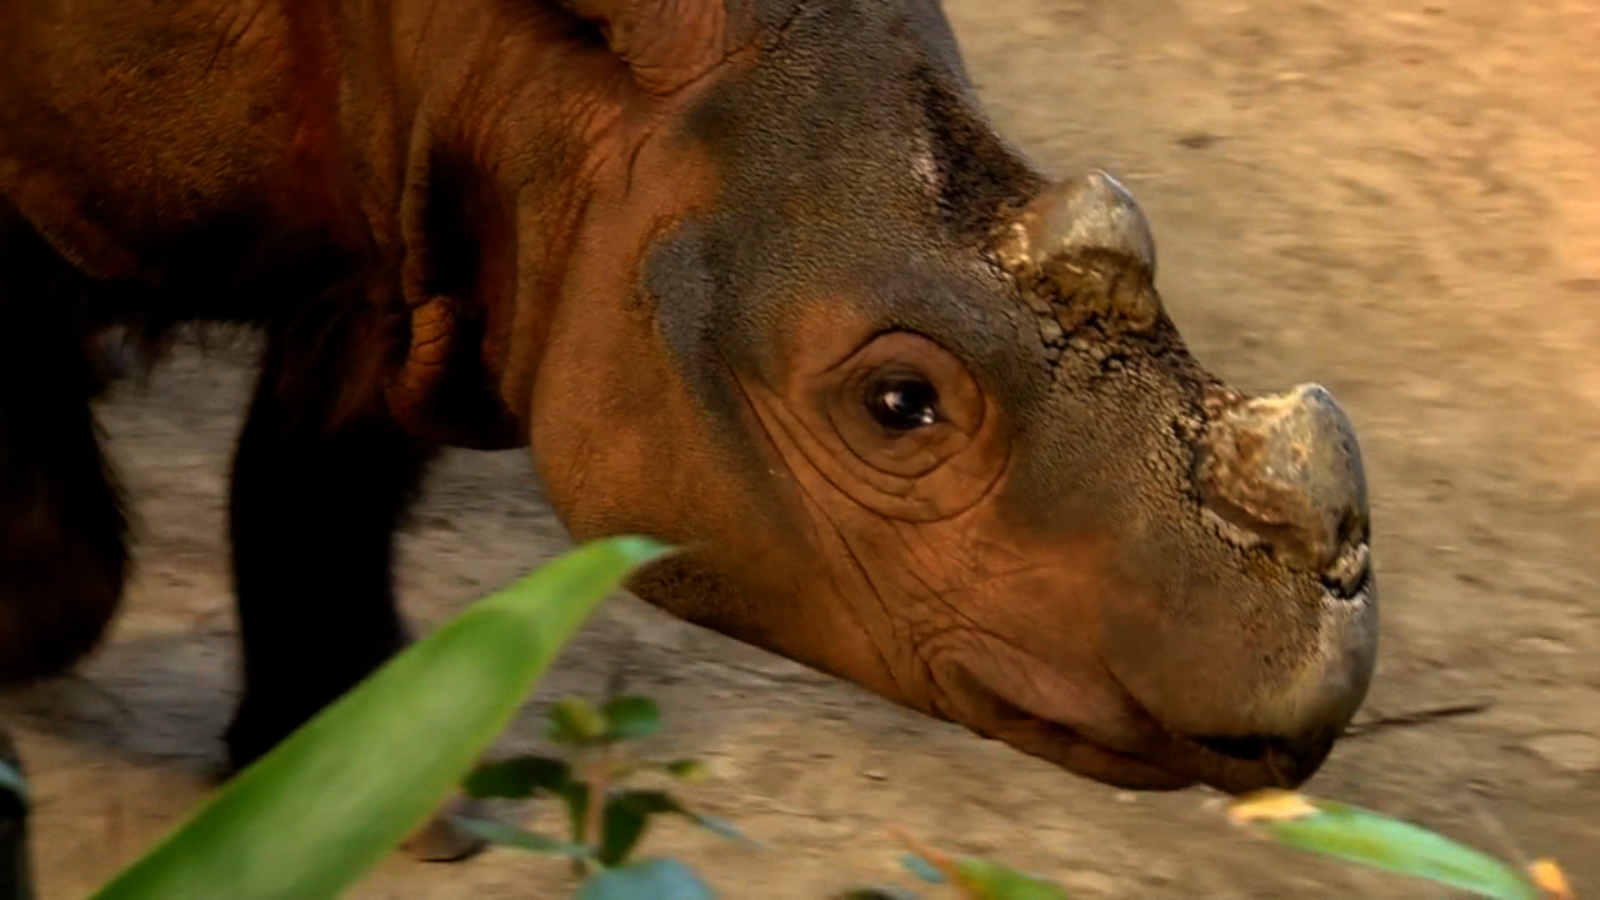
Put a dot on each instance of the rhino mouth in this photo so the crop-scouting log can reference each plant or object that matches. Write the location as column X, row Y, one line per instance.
column 1122, row 745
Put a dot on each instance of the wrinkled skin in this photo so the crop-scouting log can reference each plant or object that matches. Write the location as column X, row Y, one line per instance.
column 752, row 277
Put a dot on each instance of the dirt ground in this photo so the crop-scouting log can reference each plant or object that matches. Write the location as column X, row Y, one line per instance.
column 1395, row 199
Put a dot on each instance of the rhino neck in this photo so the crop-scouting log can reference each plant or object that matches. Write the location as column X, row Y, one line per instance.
column 511, row 130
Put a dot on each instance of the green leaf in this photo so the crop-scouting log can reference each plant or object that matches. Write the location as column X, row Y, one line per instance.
column 623, row 824
column 575, row 721
column 922, row 869
column 984, row 880
column 12, row 782
column 652, row 802
column 520, row 777
column 980, row 879
column 522, row 839
column 627, row 817
column 631, row 716
column 339, row 794
column 577, row 798
column 1362, row 836
column 649, row 879
column 687, row 770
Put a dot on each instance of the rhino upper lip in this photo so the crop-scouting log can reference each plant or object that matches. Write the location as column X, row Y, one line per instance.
column 1139, row 751
column 1150, row 757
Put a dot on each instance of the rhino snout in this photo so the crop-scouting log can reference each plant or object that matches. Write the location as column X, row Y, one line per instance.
column 1287, row 470
column 1288, row 667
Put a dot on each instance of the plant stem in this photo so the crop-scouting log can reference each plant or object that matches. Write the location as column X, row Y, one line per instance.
column 597, row 772
column 940, row 861
column 599, row 779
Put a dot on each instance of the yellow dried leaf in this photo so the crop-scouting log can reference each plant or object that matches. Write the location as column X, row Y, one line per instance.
column 1550, row 879
column 1269, row 806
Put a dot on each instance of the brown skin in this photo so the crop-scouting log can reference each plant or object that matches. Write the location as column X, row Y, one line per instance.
column 756, row 278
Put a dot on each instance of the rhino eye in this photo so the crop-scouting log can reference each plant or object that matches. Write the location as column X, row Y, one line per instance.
column 903, row 403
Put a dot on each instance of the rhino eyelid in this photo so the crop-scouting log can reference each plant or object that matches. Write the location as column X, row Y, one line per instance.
column 894, row 329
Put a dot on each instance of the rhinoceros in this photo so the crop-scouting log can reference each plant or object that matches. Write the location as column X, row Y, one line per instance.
column 757, row 278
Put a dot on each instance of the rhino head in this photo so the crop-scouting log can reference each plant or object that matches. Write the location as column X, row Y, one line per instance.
column 916, row 412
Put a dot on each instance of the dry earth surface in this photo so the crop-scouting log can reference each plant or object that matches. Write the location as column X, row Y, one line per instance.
column 1396, row 199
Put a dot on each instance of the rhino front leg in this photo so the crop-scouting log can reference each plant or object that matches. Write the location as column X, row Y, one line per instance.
column 314, row 505
column 63, row 534
column 321, row 479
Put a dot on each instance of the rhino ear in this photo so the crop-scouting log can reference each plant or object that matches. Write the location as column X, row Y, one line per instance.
column 666, row 43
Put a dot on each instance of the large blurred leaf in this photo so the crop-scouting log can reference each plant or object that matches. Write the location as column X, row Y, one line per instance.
column 1358, row 835
column 339, row 794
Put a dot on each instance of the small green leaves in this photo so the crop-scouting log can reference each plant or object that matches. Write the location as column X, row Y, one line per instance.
column 649, row 879
column 629, row 717
column 686, row 770
column 627, row 816
column 625, row 821
column 603, row 838
column 575, row 721
column 520, row 777
column 1358, row 835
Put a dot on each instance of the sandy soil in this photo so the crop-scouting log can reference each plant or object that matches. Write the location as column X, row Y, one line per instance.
column 1395, row 199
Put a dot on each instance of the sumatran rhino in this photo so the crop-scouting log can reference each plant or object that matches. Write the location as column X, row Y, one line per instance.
column 753, row 277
